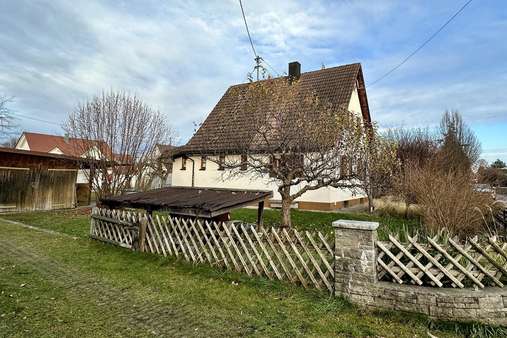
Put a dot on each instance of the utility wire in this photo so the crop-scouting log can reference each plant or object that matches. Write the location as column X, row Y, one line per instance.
column 422, row 45
column 34, row 119
column 257, row 58
column 274, row 70
column 247, row 30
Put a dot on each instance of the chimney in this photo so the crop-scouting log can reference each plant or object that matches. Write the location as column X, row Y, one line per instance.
column 294, row 70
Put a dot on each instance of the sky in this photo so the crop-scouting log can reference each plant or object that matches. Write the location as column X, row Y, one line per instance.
column 181, row 56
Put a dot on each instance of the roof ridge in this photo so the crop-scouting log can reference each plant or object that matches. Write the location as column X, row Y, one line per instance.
column 308, row 72
column 60, row 136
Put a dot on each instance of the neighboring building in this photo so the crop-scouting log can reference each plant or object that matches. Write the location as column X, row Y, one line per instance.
column 342, row 86
column 37, row 181
column 158, row 173
column 68, row 146
column 62, row 145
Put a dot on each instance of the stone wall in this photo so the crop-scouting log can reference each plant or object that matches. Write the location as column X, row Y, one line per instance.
column 356, row 279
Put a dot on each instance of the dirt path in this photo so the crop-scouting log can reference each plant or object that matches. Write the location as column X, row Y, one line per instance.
column 128, row 316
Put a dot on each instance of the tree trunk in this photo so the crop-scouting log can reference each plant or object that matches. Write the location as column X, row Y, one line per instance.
column 286, row 221
column 286, row 202
column 371, row 207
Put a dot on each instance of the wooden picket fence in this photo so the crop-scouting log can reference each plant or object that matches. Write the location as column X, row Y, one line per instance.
column 443, row 262
column 116, row 227
column 301, row 257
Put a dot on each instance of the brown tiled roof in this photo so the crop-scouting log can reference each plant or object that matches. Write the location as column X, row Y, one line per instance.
column 165, row 149
column 72, row 146
column 228, row 122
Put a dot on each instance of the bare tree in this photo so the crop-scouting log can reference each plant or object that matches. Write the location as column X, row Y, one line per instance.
column 10, row 143
column 378, row 167
column 118, row 133
column 6, row 118
column 415, row 147
column 460, row 148
column 157, row 169
column 295, row 140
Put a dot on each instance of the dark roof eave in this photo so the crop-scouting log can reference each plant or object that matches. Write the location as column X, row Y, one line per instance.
column 190, row 201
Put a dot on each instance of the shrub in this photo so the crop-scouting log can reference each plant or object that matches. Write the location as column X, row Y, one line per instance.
column 449, row 202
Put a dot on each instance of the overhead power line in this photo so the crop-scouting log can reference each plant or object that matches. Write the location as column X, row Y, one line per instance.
column 34, row 119
column 422, row 45
column 258, row 60
column 247, row 30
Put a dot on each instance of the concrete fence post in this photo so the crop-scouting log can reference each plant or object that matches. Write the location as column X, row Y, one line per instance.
column 355, row 259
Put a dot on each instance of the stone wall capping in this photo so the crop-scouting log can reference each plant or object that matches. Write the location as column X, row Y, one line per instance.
column 356, row 225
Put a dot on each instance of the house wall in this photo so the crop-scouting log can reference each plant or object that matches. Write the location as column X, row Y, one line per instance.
column 354, row 104
column 327, row 198
column 22, row 143
column 55, row 150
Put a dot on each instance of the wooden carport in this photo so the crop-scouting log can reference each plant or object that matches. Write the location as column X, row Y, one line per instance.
column 196, row 202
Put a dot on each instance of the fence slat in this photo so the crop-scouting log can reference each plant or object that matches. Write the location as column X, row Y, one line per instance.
column 455, row 262
column 289, row 258
column 399, row 263
column 487, row 256
column 474, row 262
column 415, row 261
column 256, row 253
column 435, row 262
column 245, row 249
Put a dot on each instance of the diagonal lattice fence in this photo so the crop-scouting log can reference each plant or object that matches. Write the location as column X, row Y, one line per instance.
column 301, row 257
column 443, row 262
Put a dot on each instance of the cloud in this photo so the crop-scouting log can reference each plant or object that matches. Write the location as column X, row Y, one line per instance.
column 180, row 56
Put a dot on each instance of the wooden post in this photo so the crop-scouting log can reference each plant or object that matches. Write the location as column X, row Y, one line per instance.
column 260, row 214
column 143, row 222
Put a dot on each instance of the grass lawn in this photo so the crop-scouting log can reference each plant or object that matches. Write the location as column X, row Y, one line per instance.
column 51, row 285
column 76, row 222
column 314, row 220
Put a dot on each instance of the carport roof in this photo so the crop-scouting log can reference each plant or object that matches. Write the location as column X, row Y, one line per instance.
column 189, row 201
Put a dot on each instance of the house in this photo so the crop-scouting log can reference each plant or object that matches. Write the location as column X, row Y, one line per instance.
column 342, row 86
column 158, row 172
column 62, row 145
column 32, row 180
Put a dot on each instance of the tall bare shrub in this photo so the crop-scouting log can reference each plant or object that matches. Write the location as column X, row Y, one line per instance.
column 415, row 147
column 447, row 200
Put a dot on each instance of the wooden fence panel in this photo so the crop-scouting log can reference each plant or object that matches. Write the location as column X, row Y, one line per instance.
column 115, row 227
column 305, row 258
column 443, row 262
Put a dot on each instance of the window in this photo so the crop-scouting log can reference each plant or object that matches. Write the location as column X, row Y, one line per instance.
column 183, row 163
column 221, row 161
column 203, row 163
column 244, row 164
